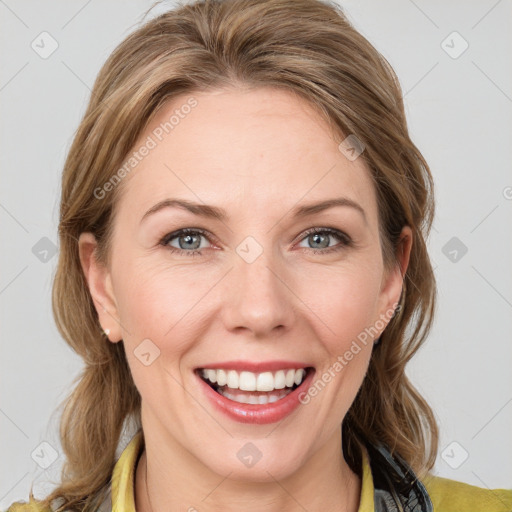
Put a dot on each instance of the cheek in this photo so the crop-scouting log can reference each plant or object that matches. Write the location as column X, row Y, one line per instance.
column 345, row 300
column 156, row 302
column 348, row 304
column 153, row 308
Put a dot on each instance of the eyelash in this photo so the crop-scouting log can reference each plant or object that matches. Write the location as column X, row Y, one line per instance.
column 345, row 240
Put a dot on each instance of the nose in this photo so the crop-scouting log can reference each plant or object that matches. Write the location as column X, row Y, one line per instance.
column 258, row 297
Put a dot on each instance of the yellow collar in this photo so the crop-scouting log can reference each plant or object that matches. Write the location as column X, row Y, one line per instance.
column 123, row 479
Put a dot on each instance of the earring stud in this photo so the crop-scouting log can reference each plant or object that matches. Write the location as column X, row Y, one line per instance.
column 107, row 331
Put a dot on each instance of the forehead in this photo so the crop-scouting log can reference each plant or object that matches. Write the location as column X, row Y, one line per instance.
column 261, row 150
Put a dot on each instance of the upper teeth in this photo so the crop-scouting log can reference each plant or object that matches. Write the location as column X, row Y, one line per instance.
column 249, row 381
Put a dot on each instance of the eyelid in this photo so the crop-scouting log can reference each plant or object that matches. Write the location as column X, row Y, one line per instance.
column 184, row 231
column 325, row 229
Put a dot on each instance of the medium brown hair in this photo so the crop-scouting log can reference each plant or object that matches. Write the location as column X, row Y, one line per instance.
column 306, row 47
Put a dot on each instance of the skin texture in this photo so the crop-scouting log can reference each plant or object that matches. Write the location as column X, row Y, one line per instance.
column 257, row 153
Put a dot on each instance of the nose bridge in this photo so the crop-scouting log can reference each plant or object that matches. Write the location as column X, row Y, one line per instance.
column 257, row 298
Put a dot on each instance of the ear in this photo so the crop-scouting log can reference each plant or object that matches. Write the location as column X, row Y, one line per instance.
column 100, row 286
column 393, row 279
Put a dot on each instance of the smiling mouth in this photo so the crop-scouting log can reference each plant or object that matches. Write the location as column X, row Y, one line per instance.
column 254, row 388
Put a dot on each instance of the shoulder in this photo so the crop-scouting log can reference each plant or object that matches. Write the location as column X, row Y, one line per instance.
column 448, row 495
column 33, row 505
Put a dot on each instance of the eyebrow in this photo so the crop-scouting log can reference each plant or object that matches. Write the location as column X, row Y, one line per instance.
column 214, row 212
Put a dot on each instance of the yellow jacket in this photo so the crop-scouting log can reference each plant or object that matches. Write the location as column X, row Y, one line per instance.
column 446, row 495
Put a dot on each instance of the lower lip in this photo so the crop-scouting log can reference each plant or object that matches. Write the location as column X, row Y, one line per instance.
column 257, row 414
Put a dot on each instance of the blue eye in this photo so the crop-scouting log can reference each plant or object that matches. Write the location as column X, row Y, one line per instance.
column 317, row 234
column 189, row 240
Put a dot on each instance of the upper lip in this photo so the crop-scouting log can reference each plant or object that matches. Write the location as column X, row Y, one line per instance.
column 255, row 367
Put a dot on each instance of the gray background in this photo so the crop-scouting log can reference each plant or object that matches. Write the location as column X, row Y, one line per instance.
column 460, row 115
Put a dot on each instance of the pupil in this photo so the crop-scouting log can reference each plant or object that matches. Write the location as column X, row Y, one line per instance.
column 316, row 236
column 189, row 239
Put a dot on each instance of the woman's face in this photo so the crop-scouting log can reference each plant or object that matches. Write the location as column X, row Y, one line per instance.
column 251, row 292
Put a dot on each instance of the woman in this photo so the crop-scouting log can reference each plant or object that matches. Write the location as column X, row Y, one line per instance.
column 243, row 269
